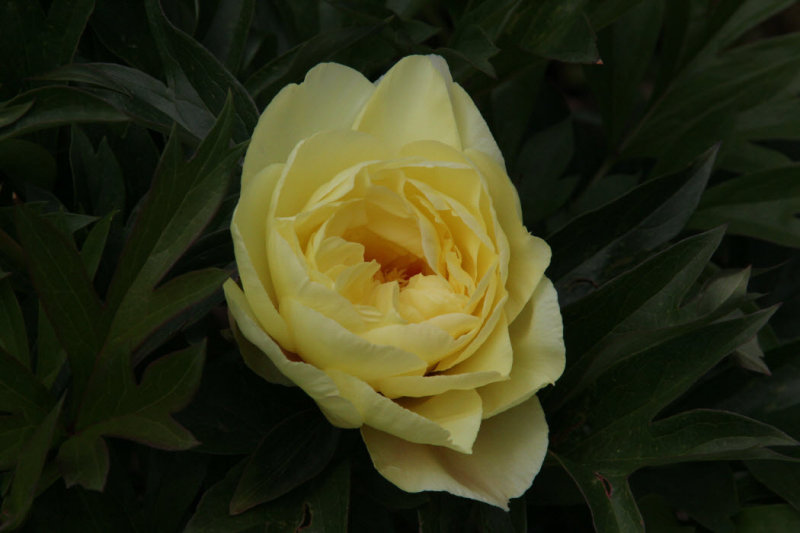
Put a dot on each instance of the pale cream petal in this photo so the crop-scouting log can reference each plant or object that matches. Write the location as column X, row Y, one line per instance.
column 324, row 343
column 411, row 102
column 265, row 357
column 330, row 98
column 451, row 419
column 316, row 161
column 248, row 230
column 420, row 386
column 529, row 255
column 506, row 456
column 427, row 341
column 472, row 127
column 291, row 277
column 538, row 342
column 495, row 354
column 257, row 295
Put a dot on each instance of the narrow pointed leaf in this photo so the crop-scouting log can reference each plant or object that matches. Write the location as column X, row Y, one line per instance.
column 29, row 468
column 13, row 338
column 646, row 217
column 295, row 451
column 208, row 77
column 182, row 200
column 56, row 106
column 609, row 498
column 138, row 318
column 84, row 461
column 764, row 205
column 74, row 309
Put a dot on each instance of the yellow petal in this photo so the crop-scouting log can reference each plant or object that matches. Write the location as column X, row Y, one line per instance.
column 248, row 230
column 291, row 278
column 451, row 419
column 428, row 342
column 506, row 456
column 420, row 386
column 538, row 343
column 330, row 98
column 472, row 127
column 316, row 161
column 495, row 354
column 269, row 357
column 324, row 343
column 411, row 102
column 529, row 255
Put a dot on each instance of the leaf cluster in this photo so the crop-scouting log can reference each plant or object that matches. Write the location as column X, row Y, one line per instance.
column 653, row 143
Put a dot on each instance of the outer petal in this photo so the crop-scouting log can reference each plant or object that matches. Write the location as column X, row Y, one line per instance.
column 538, row 342
column 326, row 344
column 269, row 357
column 529, row 255
column 506, row 456
column 330, row 98
column 410, row 103
column 250, row 245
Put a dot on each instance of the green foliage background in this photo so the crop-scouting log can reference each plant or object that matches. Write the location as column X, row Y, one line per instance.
column 653, row 143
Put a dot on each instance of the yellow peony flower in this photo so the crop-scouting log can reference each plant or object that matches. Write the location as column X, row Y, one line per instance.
column 387, row 273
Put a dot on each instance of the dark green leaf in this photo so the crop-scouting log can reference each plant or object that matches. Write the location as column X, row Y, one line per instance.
column 557, row 29
column 610, row 499
column 13, row 338
column 182, row 56
column 646, row 217
column 541, row 163
column 227, row 35
column 783, row 478
column 140, row 97
column 142, row 412
column 84, row 461
column 96, row 176
column 174, row 483
column 775, row 119
column 473, row 46
column 212, row 515
column 33, row 42
column 12, row 113
column 745, row 157
column 627, row 49
column 29, row 468
column 93, row 246
column 291, row 66
column 20, row 392
column 26, row 163
column 704, row 491
column 295, row 451
column 659, row 516
column 181, row 202
column 731, row 19
column 121, row 25
column 653, row 289
column 139, row 317
column 632, row 391
column 780, row 518
column 602, row 13
column 74, row 309
column 513, row 102
column 50, row 356
column 762, row 205
column 329, row 501
column 690, row 436
column 56, row 106
column 699, row 108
